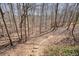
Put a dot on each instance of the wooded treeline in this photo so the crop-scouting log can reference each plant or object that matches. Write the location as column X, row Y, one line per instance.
column 28, row 20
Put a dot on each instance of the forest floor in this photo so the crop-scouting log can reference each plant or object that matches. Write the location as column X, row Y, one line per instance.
column 35, row 46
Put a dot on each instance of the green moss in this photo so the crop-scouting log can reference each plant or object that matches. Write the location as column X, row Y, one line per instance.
column 60, row 50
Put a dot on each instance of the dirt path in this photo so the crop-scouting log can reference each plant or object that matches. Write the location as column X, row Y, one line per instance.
column 36, row 46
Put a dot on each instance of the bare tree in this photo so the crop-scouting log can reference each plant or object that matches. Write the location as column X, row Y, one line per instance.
column 6, row 26
column 56, row 10
column 46, row 9
column 15, row 21
column 75, row 21
column 64, row 17
column 41, row 18
column 70, row 17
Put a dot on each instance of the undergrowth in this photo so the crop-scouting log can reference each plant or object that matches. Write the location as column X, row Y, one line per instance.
column 61, row 51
